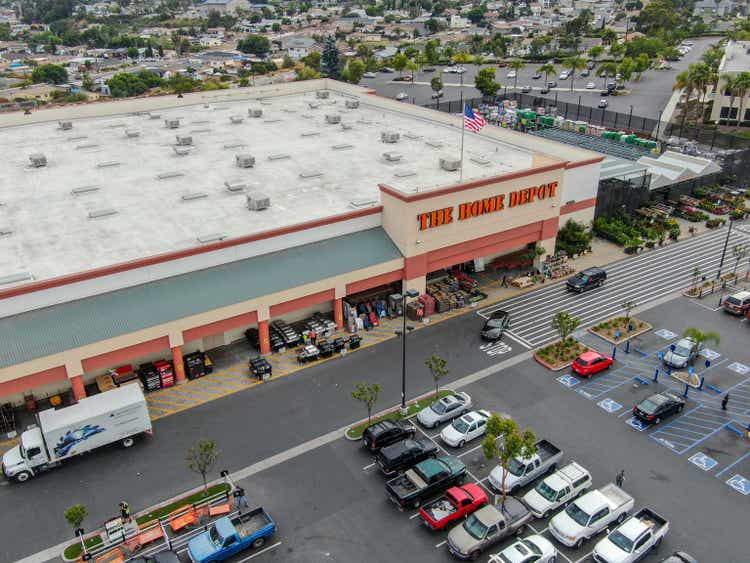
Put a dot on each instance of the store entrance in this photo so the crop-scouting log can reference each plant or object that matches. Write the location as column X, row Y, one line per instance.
column 365, row 309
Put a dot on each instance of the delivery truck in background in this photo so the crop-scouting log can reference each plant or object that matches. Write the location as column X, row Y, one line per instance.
column 119, row 415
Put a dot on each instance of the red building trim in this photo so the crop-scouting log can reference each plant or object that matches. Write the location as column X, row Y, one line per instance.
column 577, row 206
column 29, row 382
column 302, row 302
column 169, row 256
column 470, row 185
column 218, row 327
column 549, row 228
column 375, row 281
column 125, row 355
column 579, row 163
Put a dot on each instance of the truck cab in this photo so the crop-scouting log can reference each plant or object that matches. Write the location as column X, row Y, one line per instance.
column 522, row 471
column 229, row 536
column 557, row 490
column 27, row 458
column 633, row 539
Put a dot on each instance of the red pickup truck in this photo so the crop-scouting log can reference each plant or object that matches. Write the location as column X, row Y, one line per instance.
column 456, row 503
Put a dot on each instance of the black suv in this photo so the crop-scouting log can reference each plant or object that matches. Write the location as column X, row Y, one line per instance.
column 404, row 454
column 587, row 279
column 385, row 433
column 495, row 326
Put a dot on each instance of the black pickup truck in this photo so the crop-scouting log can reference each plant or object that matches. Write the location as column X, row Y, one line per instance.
column 404, row 454
column 425, row 480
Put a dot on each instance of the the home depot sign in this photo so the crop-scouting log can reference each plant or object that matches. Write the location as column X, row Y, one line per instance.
column 447, row 215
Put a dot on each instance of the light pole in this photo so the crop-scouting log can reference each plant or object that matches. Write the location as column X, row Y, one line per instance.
column 723, row 254
column 402, row 333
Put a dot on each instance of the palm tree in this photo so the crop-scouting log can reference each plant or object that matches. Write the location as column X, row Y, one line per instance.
column 547, row 69
column 574, row 63
column 743, row 87
column 684, row 81
column 516, row 65
column 606, row 70
column 730, row 85
column 701, row 337
column 701, row 76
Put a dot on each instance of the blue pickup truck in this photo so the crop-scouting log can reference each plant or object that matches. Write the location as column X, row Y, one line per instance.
column 229, row 536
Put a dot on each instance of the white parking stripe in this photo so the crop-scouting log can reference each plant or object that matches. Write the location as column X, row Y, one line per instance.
column 522, row 341
column 261, row 552
column 366, row 467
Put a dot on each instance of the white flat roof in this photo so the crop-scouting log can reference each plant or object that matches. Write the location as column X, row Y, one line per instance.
column 105, row 198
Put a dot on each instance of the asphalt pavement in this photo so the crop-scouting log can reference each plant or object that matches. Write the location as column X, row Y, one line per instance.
column 648, row 96
column 269, row 419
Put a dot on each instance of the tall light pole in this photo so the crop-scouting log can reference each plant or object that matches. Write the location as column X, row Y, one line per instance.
column 721, row 263
column 413, row 293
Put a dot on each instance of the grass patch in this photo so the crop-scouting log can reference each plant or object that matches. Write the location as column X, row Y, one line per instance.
column 355, row 432
column 561, row 353
column 197, row 497
column 608, row 328
column 75, row 550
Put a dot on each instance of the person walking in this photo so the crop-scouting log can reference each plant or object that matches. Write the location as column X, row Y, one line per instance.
column 620, row 479
column 239, row 493
column 504, row 283
column 124, row 511
column 724, row 402
column 313, row 337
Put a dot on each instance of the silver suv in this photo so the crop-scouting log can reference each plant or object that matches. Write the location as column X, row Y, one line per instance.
column 682, row 353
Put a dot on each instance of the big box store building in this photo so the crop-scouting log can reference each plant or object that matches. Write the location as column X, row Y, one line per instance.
column 160, row 226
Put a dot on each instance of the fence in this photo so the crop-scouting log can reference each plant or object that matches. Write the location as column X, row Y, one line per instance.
column 706, row 135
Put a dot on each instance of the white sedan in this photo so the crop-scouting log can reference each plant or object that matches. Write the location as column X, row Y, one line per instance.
column 368, row 75
column 533, row 549
column 590, row 86
column 465, row 429
column 402, row 96
column 511, row 74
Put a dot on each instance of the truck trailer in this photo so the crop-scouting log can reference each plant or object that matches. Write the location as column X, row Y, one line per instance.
column 119, row 415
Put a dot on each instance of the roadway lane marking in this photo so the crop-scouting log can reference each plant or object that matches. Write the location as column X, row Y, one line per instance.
column 261, row 552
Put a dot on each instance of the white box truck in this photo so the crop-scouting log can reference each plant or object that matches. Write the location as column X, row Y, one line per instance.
column 118, row 415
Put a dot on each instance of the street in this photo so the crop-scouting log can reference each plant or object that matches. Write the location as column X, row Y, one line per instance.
column 329, row 508
column 648, row 96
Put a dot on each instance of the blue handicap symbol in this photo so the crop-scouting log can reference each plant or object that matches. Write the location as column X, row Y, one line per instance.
column 661, row 355
column 636, row 423
column 739, row 483
column 568, row 380
column 609, row 405
column 703, row 461
column 742, row 369
column 691, row 370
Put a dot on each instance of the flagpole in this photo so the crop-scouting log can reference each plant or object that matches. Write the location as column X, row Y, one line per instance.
column 463, row 130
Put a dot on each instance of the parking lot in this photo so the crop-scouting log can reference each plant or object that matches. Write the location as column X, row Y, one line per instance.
column 332, row 504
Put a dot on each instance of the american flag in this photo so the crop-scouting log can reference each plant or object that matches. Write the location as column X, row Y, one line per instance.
column 472, row 120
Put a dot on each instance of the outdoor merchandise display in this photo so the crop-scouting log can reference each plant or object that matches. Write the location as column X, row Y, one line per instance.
column 284, row 333
column 556, row 266
column 197, row 365
column 260, row 368
column 454, row 292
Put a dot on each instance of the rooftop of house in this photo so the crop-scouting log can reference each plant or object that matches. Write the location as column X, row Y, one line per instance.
column 120, row 184
column 736, row 57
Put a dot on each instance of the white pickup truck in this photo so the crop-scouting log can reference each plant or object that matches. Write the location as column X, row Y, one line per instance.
column 633, row 539
column 590, row 514
column 522, row 471
column 557, row 490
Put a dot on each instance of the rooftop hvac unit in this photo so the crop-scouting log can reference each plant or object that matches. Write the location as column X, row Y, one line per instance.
column 244, row 160
column 322, row 94
column 352, row 104
column 235, row 186
column 314, row 105
column 66, row 125
column 154, row 115
column 389, row 136
column 255, row 112
column 450, row 164
column 38, row 160
column 333, row 118
column 184, row 140
column 132, row 133
column 346, row 126
column 171, row 123
column 181, row 151
column 257, row 201
column 392, row 156
column 236, row 119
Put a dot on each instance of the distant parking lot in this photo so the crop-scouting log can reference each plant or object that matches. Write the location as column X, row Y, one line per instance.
column 648, row 96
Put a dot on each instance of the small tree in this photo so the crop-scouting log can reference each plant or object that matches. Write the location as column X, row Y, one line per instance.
column 739, row 252
column 565, row 324
column 628, row 306
column 436, row 84
column 75, row 516
column 485, row 82
column 438, row 369
column 701, row 337
column 367, row 394
column 696, row 277
column 201, row 459
column 330, row 65
column 515, row 444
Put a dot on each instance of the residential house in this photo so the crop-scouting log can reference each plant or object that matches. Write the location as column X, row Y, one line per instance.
column 297, row 47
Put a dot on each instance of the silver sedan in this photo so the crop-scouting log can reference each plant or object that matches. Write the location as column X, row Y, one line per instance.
column 444, row 409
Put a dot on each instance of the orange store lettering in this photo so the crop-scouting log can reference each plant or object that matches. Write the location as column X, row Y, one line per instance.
column 467, row 210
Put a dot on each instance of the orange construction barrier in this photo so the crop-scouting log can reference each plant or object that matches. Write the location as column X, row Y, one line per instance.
column 185, row 520
column 219, row 509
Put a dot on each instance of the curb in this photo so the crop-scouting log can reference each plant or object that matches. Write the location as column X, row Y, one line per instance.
column 549, row 367
column 644, row 330
column 388, row 411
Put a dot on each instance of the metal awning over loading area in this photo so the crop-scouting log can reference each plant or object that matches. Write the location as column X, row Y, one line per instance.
column 55, row 329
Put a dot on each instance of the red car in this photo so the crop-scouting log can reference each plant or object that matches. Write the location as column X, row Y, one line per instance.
column 589, row 363
column 456, row 503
